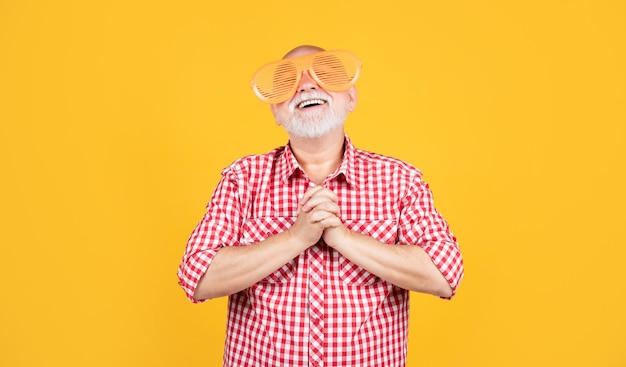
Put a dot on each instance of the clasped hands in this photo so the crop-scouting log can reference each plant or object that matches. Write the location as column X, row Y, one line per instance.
column 319, row 217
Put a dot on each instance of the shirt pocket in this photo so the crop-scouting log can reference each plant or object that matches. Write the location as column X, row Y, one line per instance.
column 384, row 230
column 256, row 230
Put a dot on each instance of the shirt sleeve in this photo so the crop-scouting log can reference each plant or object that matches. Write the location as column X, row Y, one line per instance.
column 218, row 228
column 421, row 224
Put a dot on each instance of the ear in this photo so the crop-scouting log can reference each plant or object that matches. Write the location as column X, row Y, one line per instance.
column 273, row 109
column 354, row 97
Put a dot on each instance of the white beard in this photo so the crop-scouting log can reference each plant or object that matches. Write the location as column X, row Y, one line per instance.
column 311, row 124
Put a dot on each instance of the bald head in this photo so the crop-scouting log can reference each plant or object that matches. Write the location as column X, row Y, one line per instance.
column 302, row 50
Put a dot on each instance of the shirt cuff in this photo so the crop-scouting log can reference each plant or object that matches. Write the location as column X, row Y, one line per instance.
column 447, row 258
column 192, row 270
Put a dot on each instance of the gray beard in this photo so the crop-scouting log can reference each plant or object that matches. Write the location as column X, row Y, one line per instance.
column 314, row 126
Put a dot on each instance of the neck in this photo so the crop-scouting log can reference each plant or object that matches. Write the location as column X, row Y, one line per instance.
column 319, row 157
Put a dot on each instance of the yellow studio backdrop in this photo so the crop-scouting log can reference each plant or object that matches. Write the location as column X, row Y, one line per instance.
column 116, row 118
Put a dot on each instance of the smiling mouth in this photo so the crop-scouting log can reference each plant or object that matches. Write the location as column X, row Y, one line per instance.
column 311, row 103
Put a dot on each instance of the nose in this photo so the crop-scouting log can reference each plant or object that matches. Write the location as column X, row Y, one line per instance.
column 307, row 82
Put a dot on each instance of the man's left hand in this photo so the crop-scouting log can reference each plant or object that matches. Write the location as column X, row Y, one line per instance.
column 334, row 236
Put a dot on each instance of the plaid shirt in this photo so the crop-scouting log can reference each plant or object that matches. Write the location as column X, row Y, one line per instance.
column 319, row 309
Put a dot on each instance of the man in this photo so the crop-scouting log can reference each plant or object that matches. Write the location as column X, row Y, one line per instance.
column 317, row 244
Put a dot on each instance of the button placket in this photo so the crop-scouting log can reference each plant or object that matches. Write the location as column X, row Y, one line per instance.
column 316, row 302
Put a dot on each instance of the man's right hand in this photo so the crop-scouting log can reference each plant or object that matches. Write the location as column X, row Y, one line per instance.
column 318, row 209
column 235, row 268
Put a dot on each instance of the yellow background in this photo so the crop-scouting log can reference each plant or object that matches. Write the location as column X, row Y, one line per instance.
column 116, row 118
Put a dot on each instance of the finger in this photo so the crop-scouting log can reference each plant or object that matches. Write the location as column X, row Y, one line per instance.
column 327, row 206
column 330, row 222
column 326, row 193
column 307, row 195
column 320, row 204
column 317, row 216
column 318, row 197
column 318, row 191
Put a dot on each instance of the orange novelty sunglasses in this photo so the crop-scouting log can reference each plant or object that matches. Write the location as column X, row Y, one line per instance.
column 334, row 70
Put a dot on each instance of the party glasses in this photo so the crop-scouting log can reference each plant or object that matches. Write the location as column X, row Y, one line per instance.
column 335, row 70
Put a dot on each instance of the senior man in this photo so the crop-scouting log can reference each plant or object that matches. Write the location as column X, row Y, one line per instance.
column 317, row 243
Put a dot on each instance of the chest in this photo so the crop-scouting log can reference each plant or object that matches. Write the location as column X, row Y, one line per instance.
column 378, row 198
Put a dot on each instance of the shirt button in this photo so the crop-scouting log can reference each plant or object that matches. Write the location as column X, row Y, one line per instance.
column 316, row 277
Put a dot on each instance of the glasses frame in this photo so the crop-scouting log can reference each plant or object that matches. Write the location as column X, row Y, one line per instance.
column 302, row 64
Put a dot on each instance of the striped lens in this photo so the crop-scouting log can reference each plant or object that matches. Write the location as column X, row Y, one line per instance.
column 332, row 70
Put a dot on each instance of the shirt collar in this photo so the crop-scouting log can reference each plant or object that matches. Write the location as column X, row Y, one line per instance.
column 289, row 166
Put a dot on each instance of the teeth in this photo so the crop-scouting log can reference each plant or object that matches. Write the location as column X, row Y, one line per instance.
column 311, row 102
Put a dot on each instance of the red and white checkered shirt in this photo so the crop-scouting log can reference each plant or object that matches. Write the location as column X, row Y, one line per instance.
column 319, row 309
